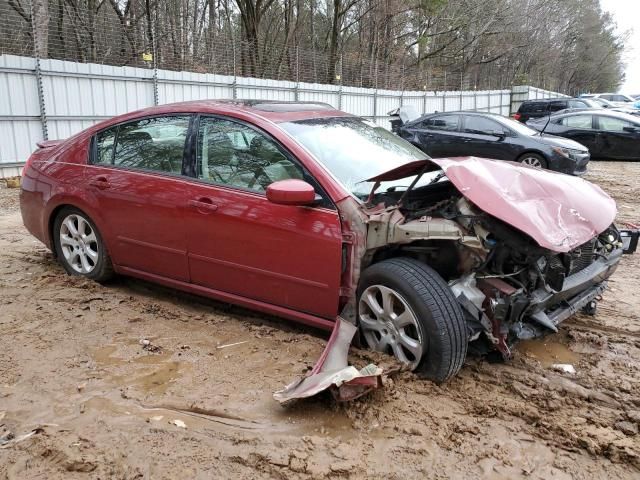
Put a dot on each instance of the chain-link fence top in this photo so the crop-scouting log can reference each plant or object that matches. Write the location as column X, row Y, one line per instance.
column 159, row 34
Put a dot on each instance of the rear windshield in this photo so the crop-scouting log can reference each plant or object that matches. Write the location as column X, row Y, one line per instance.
column 534, row 107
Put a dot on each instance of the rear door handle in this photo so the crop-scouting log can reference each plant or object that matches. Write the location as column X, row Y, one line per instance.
column 100, row 182
column 203, row 205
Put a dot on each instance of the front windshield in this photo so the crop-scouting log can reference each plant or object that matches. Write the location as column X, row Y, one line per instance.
column 354, row 149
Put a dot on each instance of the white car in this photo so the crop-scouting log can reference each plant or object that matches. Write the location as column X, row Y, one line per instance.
column 617, row 99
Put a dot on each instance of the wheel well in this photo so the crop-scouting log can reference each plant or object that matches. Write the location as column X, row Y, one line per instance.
column 441, row 255
column 52, row 221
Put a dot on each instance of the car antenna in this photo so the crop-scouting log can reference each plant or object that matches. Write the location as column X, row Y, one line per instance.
column 545, row 126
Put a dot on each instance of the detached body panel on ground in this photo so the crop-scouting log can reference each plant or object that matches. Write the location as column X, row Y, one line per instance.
column 305, row 212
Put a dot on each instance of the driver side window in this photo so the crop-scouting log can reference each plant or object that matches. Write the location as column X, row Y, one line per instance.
column 233, row 154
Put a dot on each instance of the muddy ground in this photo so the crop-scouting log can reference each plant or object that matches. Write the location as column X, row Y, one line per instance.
column 73, row 370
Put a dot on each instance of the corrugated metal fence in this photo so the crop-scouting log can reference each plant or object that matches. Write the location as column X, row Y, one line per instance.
column 55, row 99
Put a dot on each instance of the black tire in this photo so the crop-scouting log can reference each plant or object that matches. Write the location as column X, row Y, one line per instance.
column 102, row 269
column 439, row 315
column 528, row 158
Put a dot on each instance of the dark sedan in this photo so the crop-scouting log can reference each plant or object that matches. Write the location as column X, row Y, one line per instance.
column 493, row 136
column 607, row 134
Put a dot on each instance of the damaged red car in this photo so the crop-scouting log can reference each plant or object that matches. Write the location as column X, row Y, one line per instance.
column 305, row 212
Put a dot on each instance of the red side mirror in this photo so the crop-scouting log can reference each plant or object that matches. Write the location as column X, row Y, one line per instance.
column 291, row 192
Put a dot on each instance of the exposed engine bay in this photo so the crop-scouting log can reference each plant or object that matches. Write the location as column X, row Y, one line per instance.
column 508, row 285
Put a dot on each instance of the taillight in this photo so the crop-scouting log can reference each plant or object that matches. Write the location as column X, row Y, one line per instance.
column 517, row 116
column 27, row 165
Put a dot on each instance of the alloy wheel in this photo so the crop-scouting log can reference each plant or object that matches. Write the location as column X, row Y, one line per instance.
column 79, row 243
column 533, row 161
column 389, row 324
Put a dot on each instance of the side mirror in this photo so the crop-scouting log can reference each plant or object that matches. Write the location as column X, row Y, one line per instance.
column 291, row 192
column 497, row 133
column 631, row 129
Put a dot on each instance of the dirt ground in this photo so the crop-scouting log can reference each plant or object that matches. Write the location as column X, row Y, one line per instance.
column 73, row 370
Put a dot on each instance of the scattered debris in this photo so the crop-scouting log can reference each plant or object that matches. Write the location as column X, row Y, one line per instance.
column 9, row 440
column 333, row 372
column 564, row 368
column 150, row 347
column 156, row 418
column 231, row 344
column 179, row 423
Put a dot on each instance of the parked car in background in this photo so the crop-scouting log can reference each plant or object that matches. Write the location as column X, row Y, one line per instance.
column 454, row 134
column 633, row 109
column 309, row 213
column 544, row 107
column 617, row 99
column 606, row 133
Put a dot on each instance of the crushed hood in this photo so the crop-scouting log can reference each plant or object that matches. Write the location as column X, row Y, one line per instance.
column 559, row 212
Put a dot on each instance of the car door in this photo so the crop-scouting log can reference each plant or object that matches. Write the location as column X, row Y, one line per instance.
column 484, row 137
column 619, row 138
column 581, row 129
column 135, row 178
column 241, row 243
column 439, row 136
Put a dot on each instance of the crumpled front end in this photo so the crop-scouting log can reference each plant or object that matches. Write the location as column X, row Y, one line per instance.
column 522, row 249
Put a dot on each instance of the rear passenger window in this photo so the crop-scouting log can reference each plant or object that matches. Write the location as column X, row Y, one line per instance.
column 442, row 122
column 155, row 144
column 105, row 141
column 578, row 121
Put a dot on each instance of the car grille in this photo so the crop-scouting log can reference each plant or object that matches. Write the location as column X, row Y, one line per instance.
column 567, row 264
column 577, row 259
column 581, row 257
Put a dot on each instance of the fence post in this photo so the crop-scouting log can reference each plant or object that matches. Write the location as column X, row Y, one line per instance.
column 154, row 53
column 296, row 93
column 235, row 78
column 475, row 100
column 424, row 102
column 375, row 94
column 461, row 81
column 340, row 87
column 38, row 72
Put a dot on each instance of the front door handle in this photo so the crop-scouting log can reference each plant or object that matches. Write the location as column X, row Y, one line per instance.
column 203, row 205
column 100, row 182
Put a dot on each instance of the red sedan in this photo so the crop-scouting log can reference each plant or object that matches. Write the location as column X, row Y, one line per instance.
column 306, row 212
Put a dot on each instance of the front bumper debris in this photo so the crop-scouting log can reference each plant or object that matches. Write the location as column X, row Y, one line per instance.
column 629, row 240
column 332, row 372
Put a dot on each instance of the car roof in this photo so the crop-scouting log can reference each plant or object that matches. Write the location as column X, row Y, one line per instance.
column 544, row 100
column 464, row 112
column 599, row 112
column 274, row 110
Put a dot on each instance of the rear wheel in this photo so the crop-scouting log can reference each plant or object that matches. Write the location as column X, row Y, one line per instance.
column 533, row 160
column 80, row 247
column 406, row 309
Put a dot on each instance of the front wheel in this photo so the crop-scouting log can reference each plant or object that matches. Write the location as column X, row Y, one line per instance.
column 80, row 247
column 533, row 160
column 406, row 309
